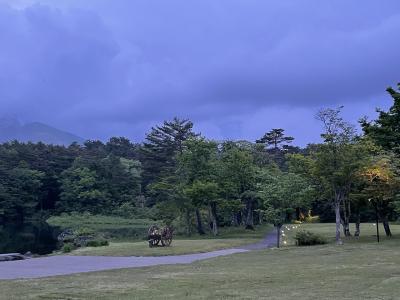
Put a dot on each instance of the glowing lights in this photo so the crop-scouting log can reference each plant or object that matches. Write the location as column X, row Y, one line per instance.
column 286, row 236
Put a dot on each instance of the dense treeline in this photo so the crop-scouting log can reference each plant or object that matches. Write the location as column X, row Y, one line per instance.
column 178, row 176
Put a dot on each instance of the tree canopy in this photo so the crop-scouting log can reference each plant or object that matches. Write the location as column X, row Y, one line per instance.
column 192, row 183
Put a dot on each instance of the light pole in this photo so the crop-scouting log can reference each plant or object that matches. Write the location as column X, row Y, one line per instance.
column 375, row 204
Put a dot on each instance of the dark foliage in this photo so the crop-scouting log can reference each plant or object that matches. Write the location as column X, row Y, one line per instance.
column 307, row 238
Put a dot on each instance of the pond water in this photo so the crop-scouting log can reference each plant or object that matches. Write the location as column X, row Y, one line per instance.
column 38, row 238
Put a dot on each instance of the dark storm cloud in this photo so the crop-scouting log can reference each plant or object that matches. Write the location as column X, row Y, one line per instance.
column 102, row 68
column 52, row 61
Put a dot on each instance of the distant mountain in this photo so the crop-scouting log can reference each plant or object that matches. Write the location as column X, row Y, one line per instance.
column 12, row 129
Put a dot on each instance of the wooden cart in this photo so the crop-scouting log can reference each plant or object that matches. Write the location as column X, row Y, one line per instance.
column 157, row 235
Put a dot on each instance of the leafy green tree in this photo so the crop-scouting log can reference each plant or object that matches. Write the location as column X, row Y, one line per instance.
column 100, row 186
column 159, row 151
column 94, row 149
column 337, row 162
column 175, row 204
column 275, row 138
column 303, row 165
column 19, row 193
column 50, row 160
column 197, row 165
column 385, row 131
column 381, row 185
column 122, row 147
column 282, row 193
column 133, row 170
column 275, row 145
column 81, row 191
column 237, row 178
column 205, row 193
column 120, row 179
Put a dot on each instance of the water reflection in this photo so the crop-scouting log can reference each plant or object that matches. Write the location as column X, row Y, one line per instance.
column 38, row 238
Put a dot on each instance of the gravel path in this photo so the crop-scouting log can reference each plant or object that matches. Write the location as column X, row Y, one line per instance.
column 64, row 264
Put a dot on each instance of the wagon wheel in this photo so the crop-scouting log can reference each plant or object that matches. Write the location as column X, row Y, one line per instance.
column 152, row 230
column 153, row 236
column 166, row 238
column 153, row 242
column 166, row 242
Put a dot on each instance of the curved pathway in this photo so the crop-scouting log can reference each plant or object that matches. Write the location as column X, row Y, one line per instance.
column 65, row 264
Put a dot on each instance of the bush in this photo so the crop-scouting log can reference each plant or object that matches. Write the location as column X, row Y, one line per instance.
column 84, row 231
column 130, row 211
column 307, row 238
column 67, row 248
column 97, row 243
column 312, row 219
column 180, row 226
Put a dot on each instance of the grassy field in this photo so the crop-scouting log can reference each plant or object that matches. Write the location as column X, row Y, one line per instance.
column 111, row 227
column 228, row 238
column 359, row 269
column 368, row 232
column 122, row 229
column 178, row 247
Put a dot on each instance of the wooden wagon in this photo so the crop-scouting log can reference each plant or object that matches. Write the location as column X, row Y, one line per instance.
column 158, row 235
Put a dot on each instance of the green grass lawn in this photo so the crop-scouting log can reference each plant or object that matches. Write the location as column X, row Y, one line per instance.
column 359, row 269
column 125, row 230
column 368, row 232
column 228, row 238
column 177, row 247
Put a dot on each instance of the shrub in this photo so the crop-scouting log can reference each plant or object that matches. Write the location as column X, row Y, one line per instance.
column 67, row 248
column 130, row 211
column 312, row 219
column 307, row 238
column 180, row 226
column 84, row 231
column 97, row 243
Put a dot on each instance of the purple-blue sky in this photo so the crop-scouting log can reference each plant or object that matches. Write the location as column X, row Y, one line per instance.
column 237, row 68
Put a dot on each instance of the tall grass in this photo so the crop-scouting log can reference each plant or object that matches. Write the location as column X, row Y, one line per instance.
column 111, row 227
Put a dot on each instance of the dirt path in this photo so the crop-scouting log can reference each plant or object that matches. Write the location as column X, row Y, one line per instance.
column 64, row 264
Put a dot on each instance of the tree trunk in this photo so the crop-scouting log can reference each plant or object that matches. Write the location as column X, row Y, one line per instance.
column 343, row 227
column 347, row 228
column 385, row 223
column 200, row 229
column 239, row 217
column 249, row 215
column 278, row 235
column 188, row 223
column 346, row 218
column 358, row 221
column 213, row 214
column 337, row 214
column 298, row 213
column 260, row 218
column 377, row 221
column 234, row 219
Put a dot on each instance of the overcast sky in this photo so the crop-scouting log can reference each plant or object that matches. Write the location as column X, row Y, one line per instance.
column 237, row 68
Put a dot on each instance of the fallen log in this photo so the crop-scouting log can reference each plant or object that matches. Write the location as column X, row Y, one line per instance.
column 12, row 256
